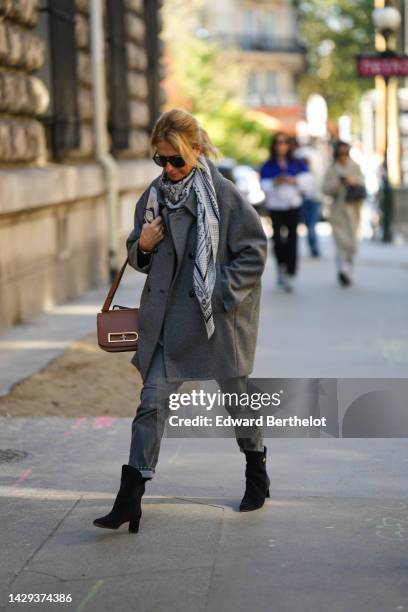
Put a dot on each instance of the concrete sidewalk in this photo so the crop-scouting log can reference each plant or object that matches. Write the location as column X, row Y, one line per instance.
column 324, row 330
column 333, row 536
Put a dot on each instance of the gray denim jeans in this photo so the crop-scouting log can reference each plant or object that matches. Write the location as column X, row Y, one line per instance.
column 153, row 411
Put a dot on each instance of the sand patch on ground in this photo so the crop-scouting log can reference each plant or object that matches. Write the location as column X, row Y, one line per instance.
column 83, row 381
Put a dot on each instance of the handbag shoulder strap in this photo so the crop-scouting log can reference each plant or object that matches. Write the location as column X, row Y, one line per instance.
column 114, row 287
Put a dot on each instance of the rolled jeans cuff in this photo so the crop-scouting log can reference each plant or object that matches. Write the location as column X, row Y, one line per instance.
column 146, row 472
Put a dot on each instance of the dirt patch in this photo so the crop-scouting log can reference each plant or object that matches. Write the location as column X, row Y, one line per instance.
column 83, row 381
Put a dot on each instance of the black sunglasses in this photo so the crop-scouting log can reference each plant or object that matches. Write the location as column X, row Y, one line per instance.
column 175, row 160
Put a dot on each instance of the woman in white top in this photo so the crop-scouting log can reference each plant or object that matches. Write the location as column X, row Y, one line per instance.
column 281, row 179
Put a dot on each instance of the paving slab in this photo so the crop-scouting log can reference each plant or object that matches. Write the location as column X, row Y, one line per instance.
column 324, row 330
column 313, row 554
column 177, row 543
column 26, row 525
column 332, row 536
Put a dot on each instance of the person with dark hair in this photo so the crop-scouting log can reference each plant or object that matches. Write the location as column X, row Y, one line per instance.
column 344, row 183
column 311, row 208
column 280, row 181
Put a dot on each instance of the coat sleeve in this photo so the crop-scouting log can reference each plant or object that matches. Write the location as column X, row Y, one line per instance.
column 248, row 244
column 358, row 175
column 136, row 259
column 307, row 184
column 331, row 183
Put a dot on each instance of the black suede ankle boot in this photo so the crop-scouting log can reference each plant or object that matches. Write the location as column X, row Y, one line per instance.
column 127, row 506
column 257, row 481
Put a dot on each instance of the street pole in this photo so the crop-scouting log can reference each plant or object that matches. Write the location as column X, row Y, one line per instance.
column 387, row 200
column 387, row 63
column 387, row 195
column 387, row 20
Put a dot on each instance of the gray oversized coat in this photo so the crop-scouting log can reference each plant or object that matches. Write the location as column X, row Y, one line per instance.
column 168, row 298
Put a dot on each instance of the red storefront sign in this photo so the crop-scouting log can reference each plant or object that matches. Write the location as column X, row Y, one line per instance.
column 375, row 65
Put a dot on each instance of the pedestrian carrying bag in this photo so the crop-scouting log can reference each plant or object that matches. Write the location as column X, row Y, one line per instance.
column 117, row 329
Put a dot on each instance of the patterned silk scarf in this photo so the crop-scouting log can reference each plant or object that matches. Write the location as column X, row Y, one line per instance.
column 175, row 194
column 208, row 218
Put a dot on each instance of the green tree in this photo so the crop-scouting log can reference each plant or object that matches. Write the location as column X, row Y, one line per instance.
column 334, row 32
column 236, row 134
column 210, row 83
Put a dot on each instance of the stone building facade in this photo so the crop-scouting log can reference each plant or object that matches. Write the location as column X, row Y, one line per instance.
column 53, row 222
column 263, row 38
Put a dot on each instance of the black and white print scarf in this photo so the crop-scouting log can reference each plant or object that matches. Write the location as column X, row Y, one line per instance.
column 175, row 194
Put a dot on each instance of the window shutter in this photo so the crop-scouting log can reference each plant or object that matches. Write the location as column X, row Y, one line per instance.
column 151, row 8
column 118, row 120
column 65, row 119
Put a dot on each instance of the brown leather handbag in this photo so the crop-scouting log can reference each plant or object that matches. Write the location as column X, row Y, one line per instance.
column 117, row 329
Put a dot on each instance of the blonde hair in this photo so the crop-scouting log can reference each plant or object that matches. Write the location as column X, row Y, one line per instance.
column 182, row 130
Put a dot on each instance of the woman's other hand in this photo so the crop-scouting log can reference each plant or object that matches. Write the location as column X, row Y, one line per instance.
column 285, row 180
column 151, row 234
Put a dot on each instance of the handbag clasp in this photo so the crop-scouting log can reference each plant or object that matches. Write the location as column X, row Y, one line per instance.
column 129, row 336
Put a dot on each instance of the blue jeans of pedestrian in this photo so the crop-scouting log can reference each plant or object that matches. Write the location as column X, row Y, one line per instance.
column 153, row 411
column 310, row 215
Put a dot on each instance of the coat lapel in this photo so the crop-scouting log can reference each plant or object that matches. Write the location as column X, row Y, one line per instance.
column 180, row 223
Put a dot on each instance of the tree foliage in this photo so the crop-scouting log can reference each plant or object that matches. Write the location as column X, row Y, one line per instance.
column 335, row 32
column 210, row 83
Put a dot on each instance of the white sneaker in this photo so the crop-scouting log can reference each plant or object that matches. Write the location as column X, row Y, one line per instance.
column 281, row 276
column 289, row 284
column 344, row 271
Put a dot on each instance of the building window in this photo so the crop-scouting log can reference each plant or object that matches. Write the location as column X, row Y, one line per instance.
column 253, row 91
column 271, row 82
column 271, row 87
column 118, row 120
column 59, row 73
column 250, row 23
column 249, row 35
column 252, row 83
column 269, row 24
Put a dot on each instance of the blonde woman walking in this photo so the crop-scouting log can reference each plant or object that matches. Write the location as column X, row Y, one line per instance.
column 203, row 249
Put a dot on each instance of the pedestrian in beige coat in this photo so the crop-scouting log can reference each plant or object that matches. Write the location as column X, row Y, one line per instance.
column 344, row 176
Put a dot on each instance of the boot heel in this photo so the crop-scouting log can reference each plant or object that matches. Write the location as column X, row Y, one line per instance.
column 134, row 524
column 267, row 493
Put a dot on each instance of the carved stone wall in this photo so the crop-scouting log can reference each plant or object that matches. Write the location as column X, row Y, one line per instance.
column 53, row 224
column 137, row 82
column 23, row 97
